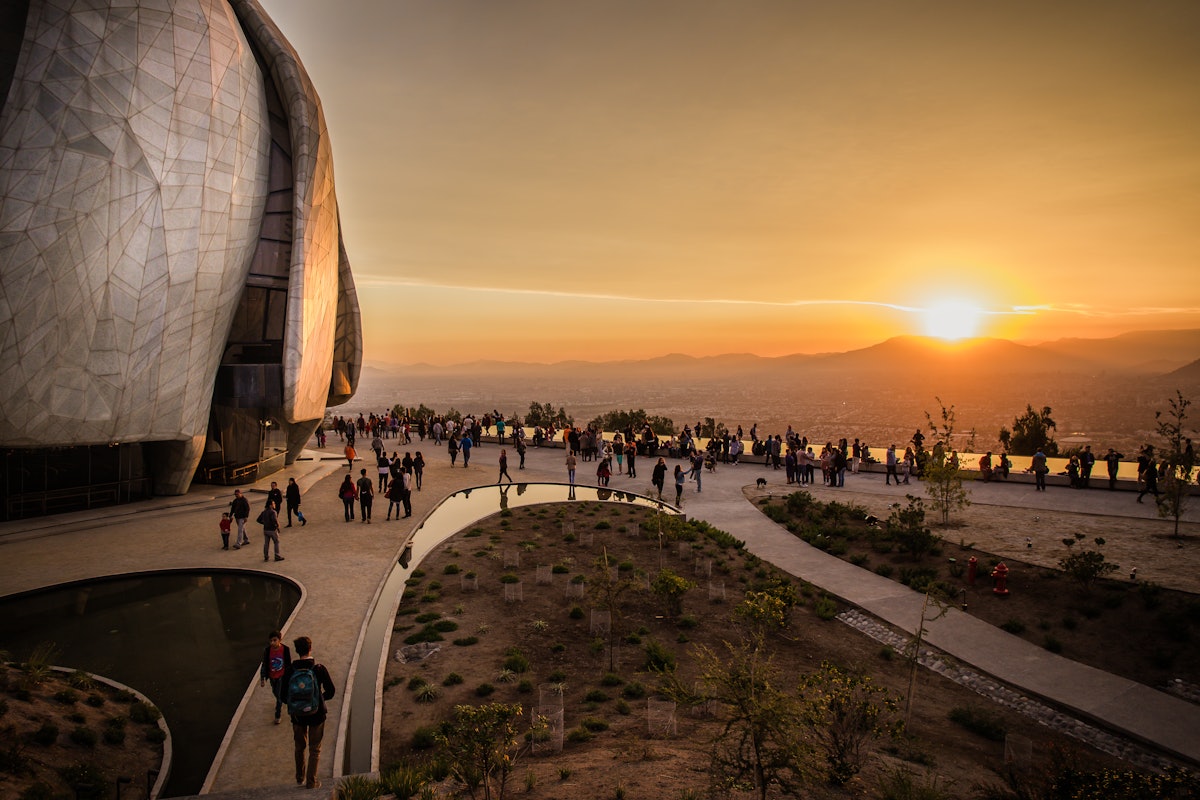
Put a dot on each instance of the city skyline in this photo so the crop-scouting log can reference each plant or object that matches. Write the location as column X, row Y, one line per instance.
column 622, row 180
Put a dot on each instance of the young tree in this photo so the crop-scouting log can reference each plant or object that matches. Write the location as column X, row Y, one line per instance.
column 1030, row 433
column 1176, row 487
column 762, row 740
column 906, row 526
column 607, row 589
column 943, row 481
column 671, row 588
column 482, row 743
column 844, row 711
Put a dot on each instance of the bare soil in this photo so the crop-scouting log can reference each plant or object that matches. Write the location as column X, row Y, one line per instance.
column 77, row 759
column 553, row 631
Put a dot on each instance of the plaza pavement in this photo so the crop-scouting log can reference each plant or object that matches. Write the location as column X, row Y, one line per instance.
column 340, row 565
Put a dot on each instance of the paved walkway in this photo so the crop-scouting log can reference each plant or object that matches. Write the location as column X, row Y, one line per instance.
column 340, row 566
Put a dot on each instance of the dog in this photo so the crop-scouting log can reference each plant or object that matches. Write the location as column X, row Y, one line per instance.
column 762, row 483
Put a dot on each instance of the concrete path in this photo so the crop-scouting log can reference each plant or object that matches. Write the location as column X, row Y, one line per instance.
column 340, row 566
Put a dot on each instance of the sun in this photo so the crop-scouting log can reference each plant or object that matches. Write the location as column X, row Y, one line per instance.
column 952, row 320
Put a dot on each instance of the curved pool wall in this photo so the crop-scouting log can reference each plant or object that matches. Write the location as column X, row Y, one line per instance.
column 357, row 749
column 190, row 640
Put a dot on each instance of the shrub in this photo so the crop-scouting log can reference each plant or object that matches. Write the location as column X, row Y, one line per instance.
column 426, row 694
column 445, row 625
column 84, row 736
column 144, row 713
column 114, row 736
column 358, row 787
column 1052, row 644
column 466, row 641
column 611, row 679
column 424, row 738
column 416, row 682
column 658, row 657
column 156, row 735
column 979, row 721
column 575, row 613
column 1013, row 626
column 622, row 708
column 95, row 700
column 579, row 735
column 516, row 662
column 525, row 687
column 45, row 735
column 633, row 691
column 68, row 697
column 594, row 724
column 484, row 689
column 428, row 616
column 557, row 676
column 451, row 569
column 453, row 679
column 825, row 607
column 596, row 696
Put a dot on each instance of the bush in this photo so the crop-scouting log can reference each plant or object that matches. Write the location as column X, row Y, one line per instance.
column 484, row 689
column 426, row 694
column 445, row 625
column 596, row 696
column 980, row 722
column 1014, row 626
column 424, row 738
column 358, row 787
column 451, row 569
column 95, row 700
column 658, row 657
column 428, row 616
column 45, row 735
column 516, row 662
column 156, row 735
column 633, row 691
column 416, row 682
column 611, row 679
column 144, row 713
column 466, row 641
column 825, row 607
column 453, row 679
column 113, row 735
column 594, row 724
column 84, row 736
column 68, row 697
column 579, row 735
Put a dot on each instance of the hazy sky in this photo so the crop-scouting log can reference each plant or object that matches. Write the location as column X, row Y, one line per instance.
column 604, row 179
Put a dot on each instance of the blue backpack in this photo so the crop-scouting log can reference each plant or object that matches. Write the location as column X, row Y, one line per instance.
column 303, row 692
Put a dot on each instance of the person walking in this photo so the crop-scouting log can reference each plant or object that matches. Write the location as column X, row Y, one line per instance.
column 393, row 497
column 366, row 496
column 307, row 688
column 269, row 519
column 418, row 469
column 452, row 449
column 891, row 467
column 276, row 660
column 521, row 448
column 350, row 454
column 239, row 509
column 504, row 466
column 630, row 459
column 1148, row 472
column 571, row 463
column 348, row 494
column 659, row 476
column 465, row 444
column 292, row 498
column 680, row 477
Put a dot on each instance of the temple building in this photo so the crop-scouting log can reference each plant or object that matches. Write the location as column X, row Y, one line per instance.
column 176, row 303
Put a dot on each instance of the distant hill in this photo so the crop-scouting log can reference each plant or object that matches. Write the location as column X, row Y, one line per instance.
column 1144, row 352
column 1140, row 353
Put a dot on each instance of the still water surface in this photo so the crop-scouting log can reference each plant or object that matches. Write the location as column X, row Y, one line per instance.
column 191, row 641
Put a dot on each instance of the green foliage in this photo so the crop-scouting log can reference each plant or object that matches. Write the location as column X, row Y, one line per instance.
column 424, row 738
column 903, row 784
column 906, row 526
column 1030, row 433
column 825, row 607
column 453, row 679
column 671, row 588
column 658, row 657
column 1085, row 567
column 481, row 743
column 516, row 662
column 763, row 610
column 617, row 420
column 845, row 711
column 544, row 415
column 144, row 713
column 1175, row 488
column 943, row 480
column 357, row 787
column 979, row 721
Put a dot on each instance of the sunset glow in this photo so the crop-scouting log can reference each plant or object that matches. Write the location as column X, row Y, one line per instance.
column 768, row 178
column 952, row 320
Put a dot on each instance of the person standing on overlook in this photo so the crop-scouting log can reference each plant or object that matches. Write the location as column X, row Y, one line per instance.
column 571, row 463
column 1148, row 472
column 1039, row 471
column 1086, row 461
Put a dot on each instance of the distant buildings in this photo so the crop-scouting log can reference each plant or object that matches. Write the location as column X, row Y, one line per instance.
column 175, row 299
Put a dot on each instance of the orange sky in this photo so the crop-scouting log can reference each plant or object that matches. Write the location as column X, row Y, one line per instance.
column 603, row 179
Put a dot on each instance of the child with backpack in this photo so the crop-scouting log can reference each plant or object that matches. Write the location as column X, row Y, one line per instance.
column 276, row 661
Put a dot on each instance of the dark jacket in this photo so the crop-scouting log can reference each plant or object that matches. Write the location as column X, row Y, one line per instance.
column 264, row 669
column 327, row 689
column 293, row 494
column 240, row 508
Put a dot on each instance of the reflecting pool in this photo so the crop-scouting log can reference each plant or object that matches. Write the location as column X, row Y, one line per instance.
column 189, row 640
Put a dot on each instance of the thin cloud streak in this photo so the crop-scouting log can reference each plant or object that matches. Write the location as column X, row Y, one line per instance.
column 408, row 283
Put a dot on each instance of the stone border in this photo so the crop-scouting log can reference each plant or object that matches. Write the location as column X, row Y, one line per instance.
column 164, row 769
